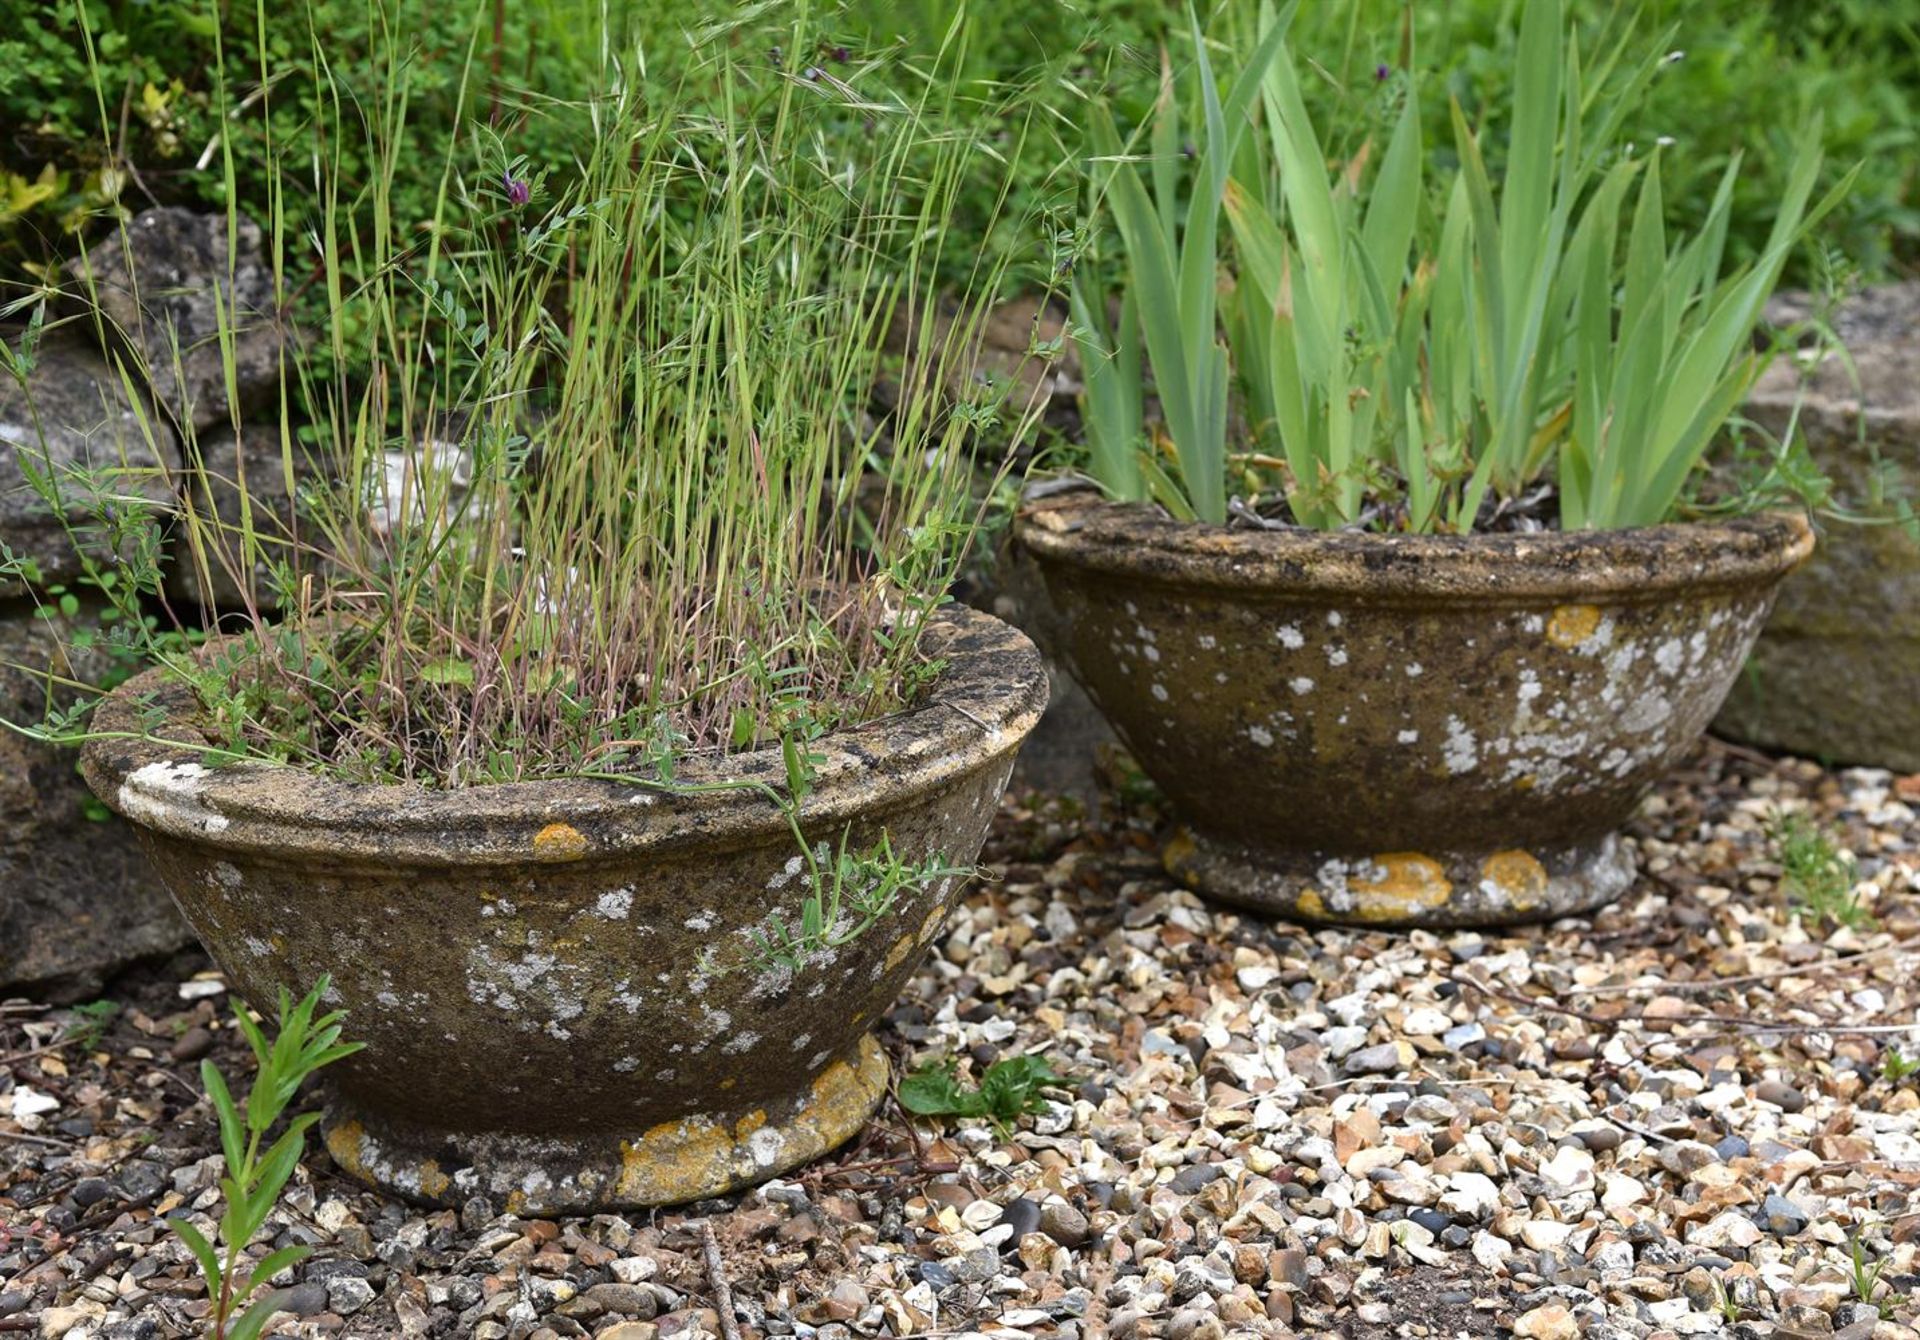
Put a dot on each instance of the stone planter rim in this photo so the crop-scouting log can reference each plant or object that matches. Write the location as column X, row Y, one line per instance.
column 1141, row 541
column 984, row 702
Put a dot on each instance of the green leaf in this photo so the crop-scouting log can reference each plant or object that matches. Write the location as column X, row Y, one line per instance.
column 247, row 1326
column 448, row 670
column 934, row 1091
column 270, row 1265
column 233, row 1142
column 202, row 1252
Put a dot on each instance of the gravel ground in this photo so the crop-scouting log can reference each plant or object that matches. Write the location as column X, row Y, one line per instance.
column 1673, row 1119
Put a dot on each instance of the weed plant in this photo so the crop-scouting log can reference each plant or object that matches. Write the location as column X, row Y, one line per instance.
column 1818, row 875
column 614, row 489
column 254, row 1172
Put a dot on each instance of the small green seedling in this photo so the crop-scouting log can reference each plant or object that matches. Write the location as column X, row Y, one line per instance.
column 1898, row 1066
column 859, row 889
column 1724, row 1303
column 253, row 1181
column 1817, row 874
column 88, row 1024
column 1865, row 1276
column 1008, row 1089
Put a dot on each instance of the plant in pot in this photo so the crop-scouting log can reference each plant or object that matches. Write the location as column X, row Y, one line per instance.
column 615, row 754
column 1409, row 645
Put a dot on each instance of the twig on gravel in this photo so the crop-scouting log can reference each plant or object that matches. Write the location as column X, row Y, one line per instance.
column 37, row 1051
column 1741, row 751
column 1845, row 963
column 1730, row 1021
column 38, row 1140
column 717, row 1277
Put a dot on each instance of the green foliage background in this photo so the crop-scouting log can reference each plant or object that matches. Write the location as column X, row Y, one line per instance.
column 1751, row 75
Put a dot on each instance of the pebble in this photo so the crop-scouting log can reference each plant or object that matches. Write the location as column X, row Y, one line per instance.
column 1383, row 1059
column 1021, row 1215
column 1780, row 1094
column 1782, row 1217
column 1063, row 1223
column 1263, row 1128
column 1552, row 1322
column 347, row 1294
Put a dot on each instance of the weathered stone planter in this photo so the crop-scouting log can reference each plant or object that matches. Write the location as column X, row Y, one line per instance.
column 1432, row 731
column 563, row 997
column 1836, row 674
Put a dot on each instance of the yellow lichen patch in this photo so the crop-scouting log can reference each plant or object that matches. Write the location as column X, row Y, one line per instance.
column 905, row 945
column 559, row 842
column 1570, row 625
column 343, row 1143
column 676, row 1161
column 433, row 1182
column 1399, row 885
column 1178, row 852
column 930, row 926
column 704, row 1156
column 1517, row 874
column 1310, row 904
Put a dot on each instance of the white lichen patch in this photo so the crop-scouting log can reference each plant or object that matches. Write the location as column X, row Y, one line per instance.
column 1301, row 685
column 1159, row 692
column 615, row 904
column 256, row 946
column 1415, row 669
column 1260, row 735
column 1290, row 636
column 626, row 1065
column 1408, row 737
column 703, row 920
column 1336, row 655
column 1462, row 749
column 166, row 796
column 765, row 1145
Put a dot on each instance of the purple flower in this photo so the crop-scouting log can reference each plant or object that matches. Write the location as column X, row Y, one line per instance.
column 841, row 55
column 518, row 191
column 1382, row 72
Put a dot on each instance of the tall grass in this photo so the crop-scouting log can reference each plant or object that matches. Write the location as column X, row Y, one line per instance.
column 617, row 488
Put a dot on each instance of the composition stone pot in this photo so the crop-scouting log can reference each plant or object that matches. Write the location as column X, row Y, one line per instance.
column 1405, row 730
column 562, row 987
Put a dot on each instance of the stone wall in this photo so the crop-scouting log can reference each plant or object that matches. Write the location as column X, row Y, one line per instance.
column 77, row 902
column 1836, row 675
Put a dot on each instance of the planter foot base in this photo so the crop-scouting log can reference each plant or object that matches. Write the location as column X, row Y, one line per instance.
column 701, row 1155
column 1443, row 889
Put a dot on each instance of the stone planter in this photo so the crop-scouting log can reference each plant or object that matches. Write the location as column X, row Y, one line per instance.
column 1836, row 674
column 1402, row 730
column 563, row 996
